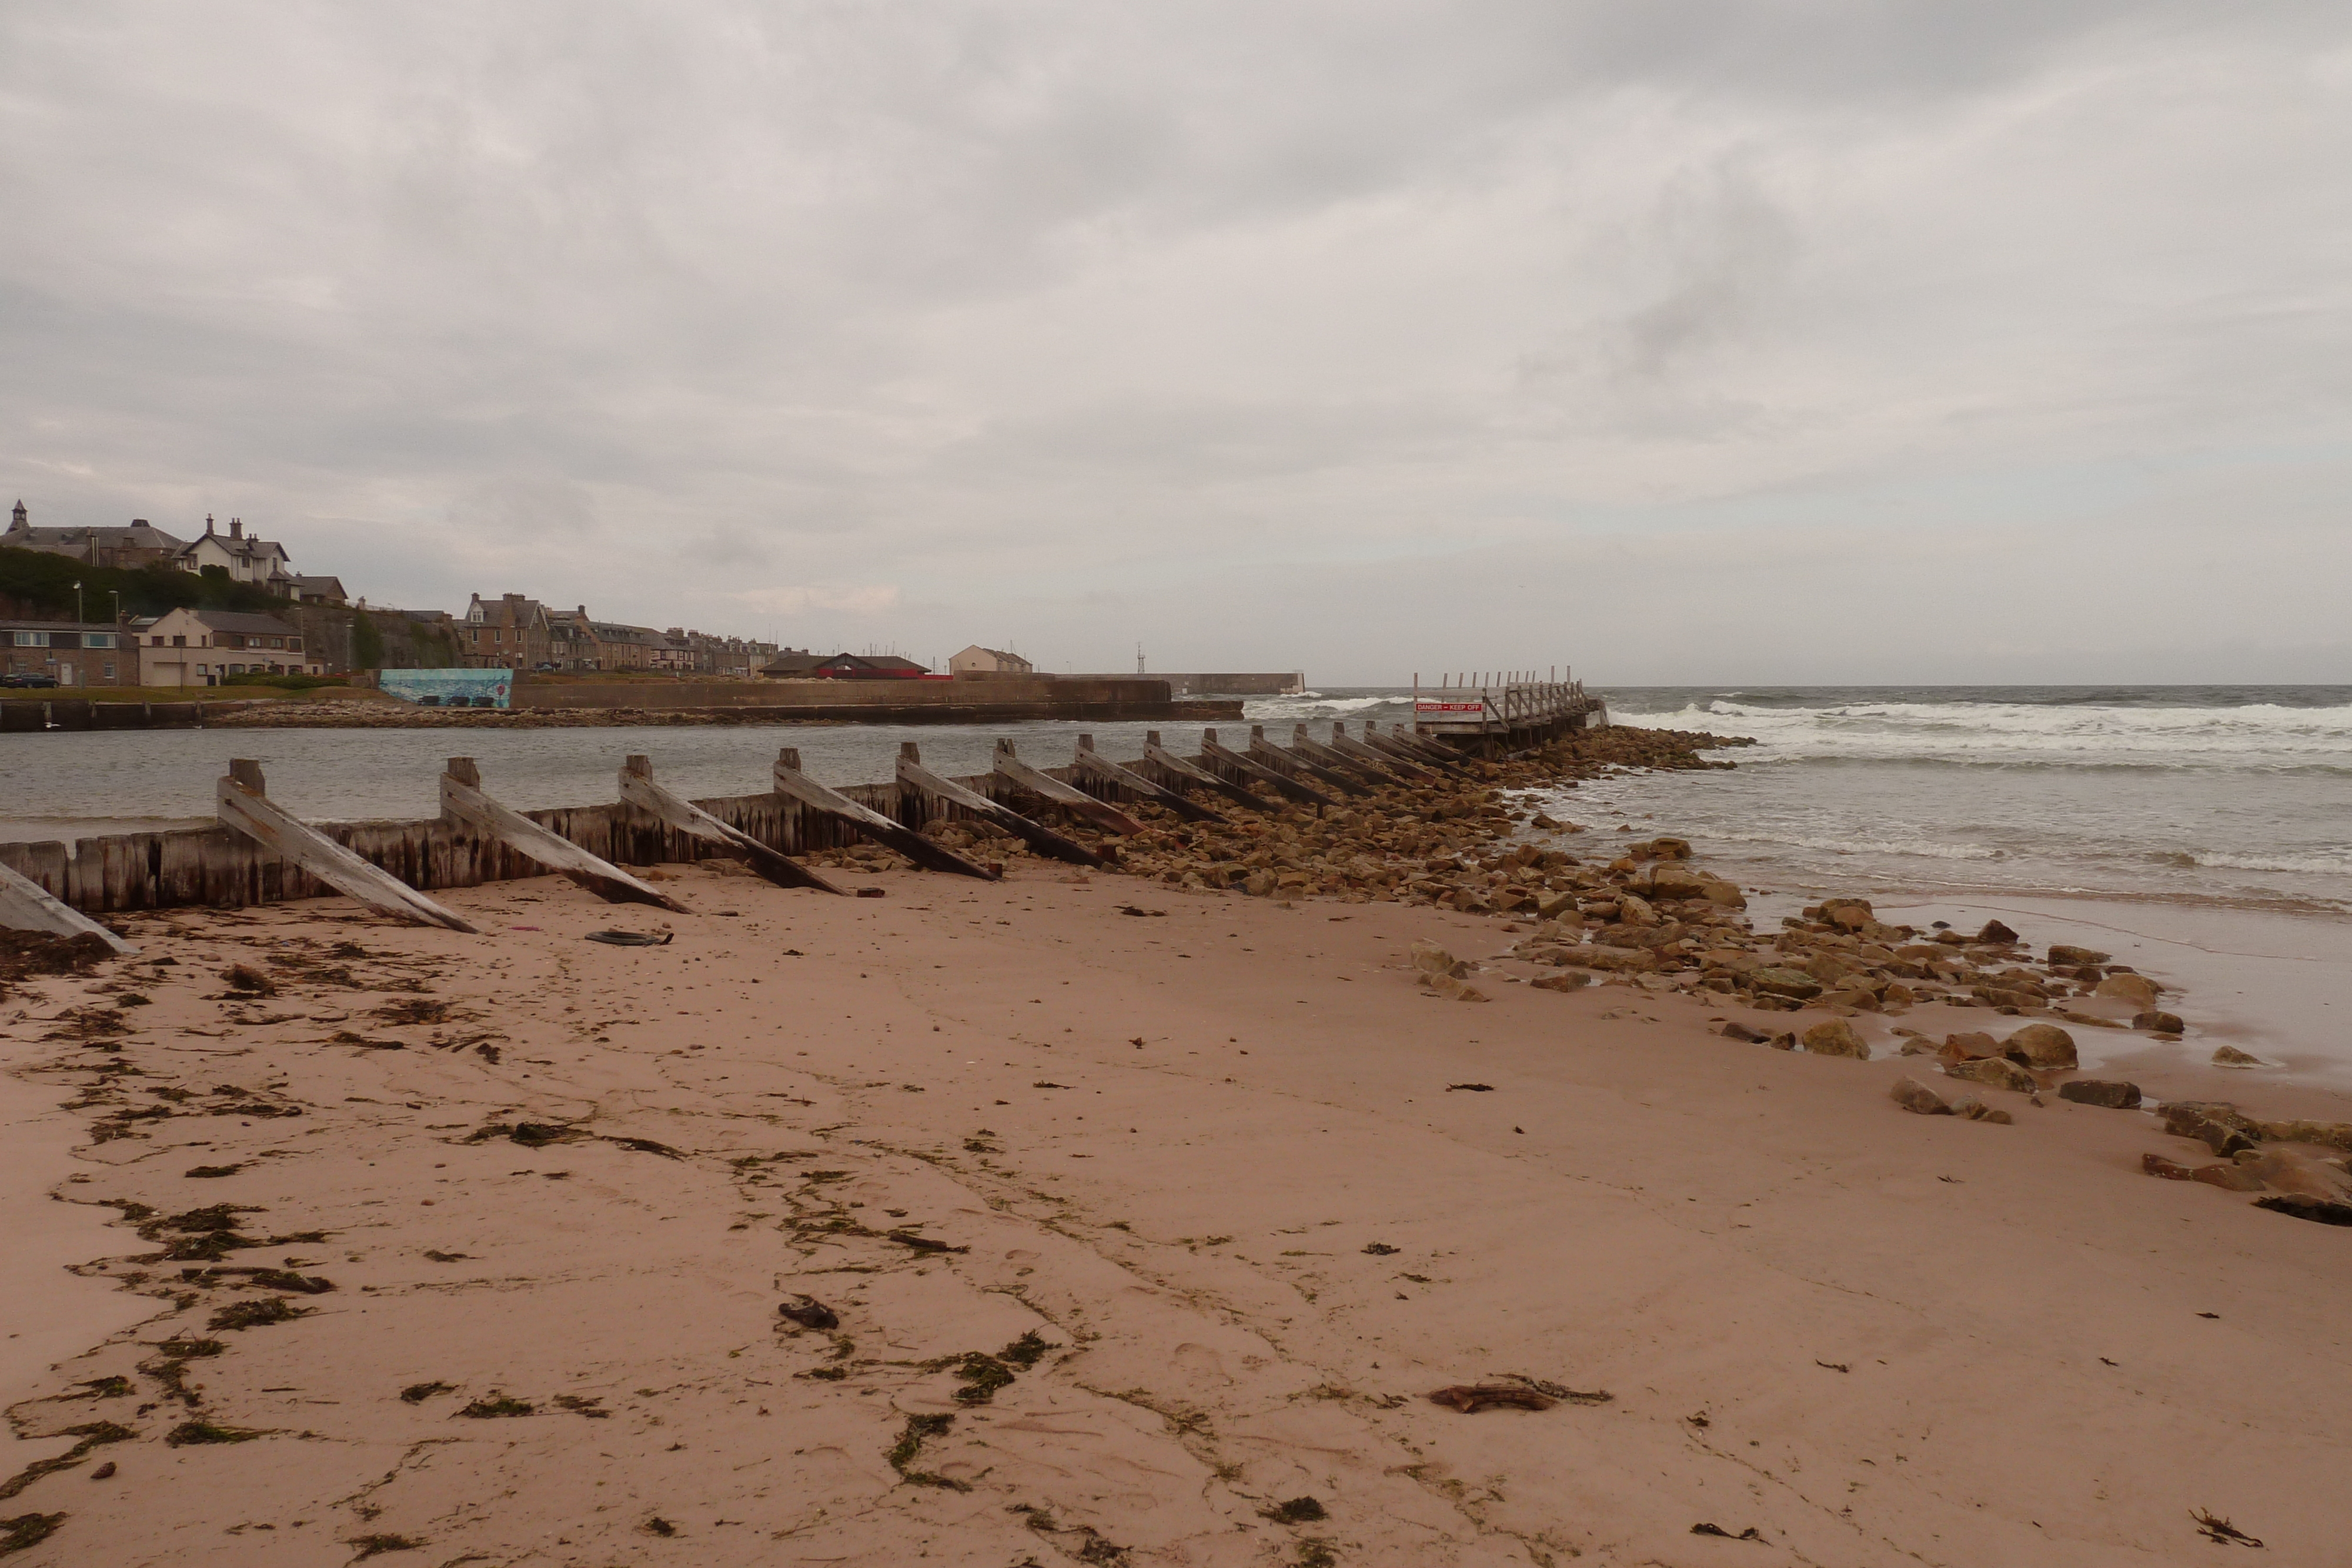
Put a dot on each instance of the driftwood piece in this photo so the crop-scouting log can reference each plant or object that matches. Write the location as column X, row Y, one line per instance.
column 790, row 781
column 638, row 789
column 1096, row 765
column 1283, row 783
column 1308, row 747
column 1176, row 768
column 1472, row 1397
column 1043, row 840
column 1104, row 815
column 464, row 804
column 25, row 905
column 242, row 802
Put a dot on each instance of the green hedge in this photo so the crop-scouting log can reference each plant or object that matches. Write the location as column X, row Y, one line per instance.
column 42, row 579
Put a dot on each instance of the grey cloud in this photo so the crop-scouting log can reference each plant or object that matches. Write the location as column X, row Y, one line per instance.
column 1009, row 316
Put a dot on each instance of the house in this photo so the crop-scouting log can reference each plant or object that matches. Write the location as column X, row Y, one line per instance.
column 262, row 562
column 507, row 633
column 135, row 546
column 571, row 639
column 805, row 666
column 620, row 646
column 70, row 652
column 979, row 661
column 326, row 591
column 197, row 647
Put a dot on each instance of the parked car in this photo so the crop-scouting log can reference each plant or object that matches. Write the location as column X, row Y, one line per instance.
column 22, row 679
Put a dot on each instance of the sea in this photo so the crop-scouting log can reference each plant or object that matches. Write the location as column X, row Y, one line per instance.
column 2236, row 795
column 2203, row 829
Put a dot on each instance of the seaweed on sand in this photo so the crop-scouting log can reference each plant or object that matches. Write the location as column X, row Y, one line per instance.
column 920, row 1429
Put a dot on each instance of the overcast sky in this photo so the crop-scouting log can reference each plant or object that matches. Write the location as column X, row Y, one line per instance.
column 2007, row 339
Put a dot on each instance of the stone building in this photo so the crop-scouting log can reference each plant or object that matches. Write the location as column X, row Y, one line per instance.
column 135, row 546
column 509, row 632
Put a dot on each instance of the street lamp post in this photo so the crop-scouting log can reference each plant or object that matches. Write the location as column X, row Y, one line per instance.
column 77, row 603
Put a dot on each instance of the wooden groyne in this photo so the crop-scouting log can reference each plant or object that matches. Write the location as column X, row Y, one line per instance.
column 263, row 852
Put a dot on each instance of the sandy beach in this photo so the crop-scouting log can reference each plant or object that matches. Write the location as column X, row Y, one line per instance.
column 1139, row 1224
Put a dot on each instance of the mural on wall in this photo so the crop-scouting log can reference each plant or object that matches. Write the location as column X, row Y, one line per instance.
column 449, row 688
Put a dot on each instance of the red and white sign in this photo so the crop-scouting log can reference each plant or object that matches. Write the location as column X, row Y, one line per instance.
column 1449, row 707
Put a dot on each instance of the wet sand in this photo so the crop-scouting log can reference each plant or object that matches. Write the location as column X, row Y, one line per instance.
column 2276, row 984
column 1226, row 1162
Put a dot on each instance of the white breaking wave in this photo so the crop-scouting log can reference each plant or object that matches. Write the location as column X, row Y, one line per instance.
column 2260, row 735
column 1311, row 705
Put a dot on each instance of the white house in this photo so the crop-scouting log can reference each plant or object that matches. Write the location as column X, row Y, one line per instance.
column 262, row 563
column 197, row 647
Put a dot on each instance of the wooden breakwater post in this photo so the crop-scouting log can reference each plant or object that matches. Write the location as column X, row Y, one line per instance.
column 242, row 803
column 465, row 806
column 1184, row 773
column 25, row 905
column 1371, row 771
column 1089, row 763
column 673, row 811
column 1282, row 784
column 868, row 822
column 913, row 775
column 1078, row 802
column 1399, row 768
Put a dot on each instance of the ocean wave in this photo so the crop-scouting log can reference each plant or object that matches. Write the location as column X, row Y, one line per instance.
column 1311, row 705
column 2256, row 734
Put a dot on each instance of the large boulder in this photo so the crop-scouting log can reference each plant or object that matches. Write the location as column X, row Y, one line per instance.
column 2156, row 1022
column 1848, row 914
column 2112, row 1095
column 1916, row 1096
column 1835, row 1037
column 2217, row 1125
column 2137, row 989
column 2044, row 1047
column 1432, row 959
column 1619, row 960
column 2231, row 1056
column 1632, row 909
column 1996, row 1071
column 1973, row 1046
column 1775, row 981
column 2060, row 953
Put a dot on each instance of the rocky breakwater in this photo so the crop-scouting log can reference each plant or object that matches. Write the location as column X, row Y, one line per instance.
column 1457, row 840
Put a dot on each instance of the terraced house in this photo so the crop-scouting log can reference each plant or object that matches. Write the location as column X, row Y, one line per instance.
column 507, row 633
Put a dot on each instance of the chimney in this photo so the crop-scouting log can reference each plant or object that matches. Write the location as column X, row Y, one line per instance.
column 236, row 527
column 208, row 522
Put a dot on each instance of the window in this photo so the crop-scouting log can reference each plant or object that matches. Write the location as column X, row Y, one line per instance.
column 98, row 639
column 176, row 642
column 109, row 669
column 294, row 643
column 30, row 639
column 277, row 642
